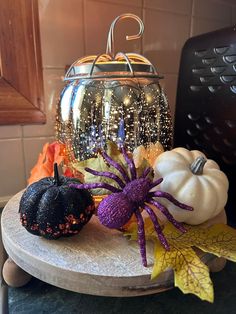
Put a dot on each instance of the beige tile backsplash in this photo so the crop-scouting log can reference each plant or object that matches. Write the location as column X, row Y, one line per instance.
column 71, row 29
column 62, row 31
column 98, row 17
column 53, row 84
column 166, row 35
column 212, row 9
column 234, row 15
column 179, row 6
column 10, row 131
column 12, row 168
column 32, row 147
column 201, row 25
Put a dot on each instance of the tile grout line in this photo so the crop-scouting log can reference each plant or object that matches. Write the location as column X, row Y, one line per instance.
column 142, row 17
column 118, row 3
column 24, row 156
column 232, row 15
column 166, row 11
column 84, row 28
column 191, row 19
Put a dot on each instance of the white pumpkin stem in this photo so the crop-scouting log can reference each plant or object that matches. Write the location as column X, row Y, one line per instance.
column 197, row 166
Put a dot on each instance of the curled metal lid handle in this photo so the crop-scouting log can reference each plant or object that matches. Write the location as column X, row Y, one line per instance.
column 110, row 39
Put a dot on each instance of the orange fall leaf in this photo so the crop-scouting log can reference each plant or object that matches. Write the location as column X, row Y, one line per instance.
column 52, row 153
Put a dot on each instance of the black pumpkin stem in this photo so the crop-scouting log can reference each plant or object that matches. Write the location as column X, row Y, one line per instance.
column 56, row 175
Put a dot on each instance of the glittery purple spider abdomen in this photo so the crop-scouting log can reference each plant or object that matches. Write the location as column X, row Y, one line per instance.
column 114, row 211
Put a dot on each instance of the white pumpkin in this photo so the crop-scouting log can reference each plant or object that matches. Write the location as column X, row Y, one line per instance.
column 194, row 180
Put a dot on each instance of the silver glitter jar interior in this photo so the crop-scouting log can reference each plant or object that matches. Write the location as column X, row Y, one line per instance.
column 113, row 97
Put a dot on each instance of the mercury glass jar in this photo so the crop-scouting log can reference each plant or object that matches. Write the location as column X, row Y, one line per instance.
column 114, row 97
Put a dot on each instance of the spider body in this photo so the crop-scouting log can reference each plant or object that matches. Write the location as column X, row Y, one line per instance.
column 137, row 190
column 133, row 195
column 115, row 210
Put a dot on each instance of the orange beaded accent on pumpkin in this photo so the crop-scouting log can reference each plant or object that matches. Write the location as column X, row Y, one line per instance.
column 23, row 220
column 34, row 227
column 61, row 226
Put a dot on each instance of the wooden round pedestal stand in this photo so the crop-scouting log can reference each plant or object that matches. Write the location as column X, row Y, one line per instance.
column 98, row 261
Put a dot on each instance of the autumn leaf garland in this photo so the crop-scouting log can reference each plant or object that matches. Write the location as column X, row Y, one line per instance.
column 191, row 275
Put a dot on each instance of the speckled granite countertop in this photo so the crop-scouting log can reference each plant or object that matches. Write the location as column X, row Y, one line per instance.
column 38, row 297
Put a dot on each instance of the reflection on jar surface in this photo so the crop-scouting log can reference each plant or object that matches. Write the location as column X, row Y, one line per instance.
column 130, row 110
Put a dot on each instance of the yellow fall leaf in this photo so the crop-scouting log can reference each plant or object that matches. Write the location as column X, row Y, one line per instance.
column 191, row 275
column 98, row 163
column 220, row 240
column 150, row 153
column 131, row 229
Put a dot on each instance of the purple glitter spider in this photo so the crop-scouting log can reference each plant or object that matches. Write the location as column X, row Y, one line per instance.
column 134, row 194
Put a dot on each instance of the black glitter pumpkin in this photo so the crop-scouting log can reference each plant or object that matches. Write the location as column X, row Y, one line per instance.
column 51, row 208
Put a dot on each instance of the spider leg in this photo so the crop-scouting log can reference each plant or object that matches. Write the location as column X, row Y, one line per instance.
column 146, row 172
column 168, row 215
column 99, row 185
column 130, row 164
column 141, row 237
column 157, row 227
column 106, row 174
column 156, row 182
column 170, row 198
column 114, row 164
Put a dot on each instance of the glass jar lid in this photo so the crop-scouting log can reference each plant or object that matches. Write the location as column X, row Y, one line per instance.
column 111, row 64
